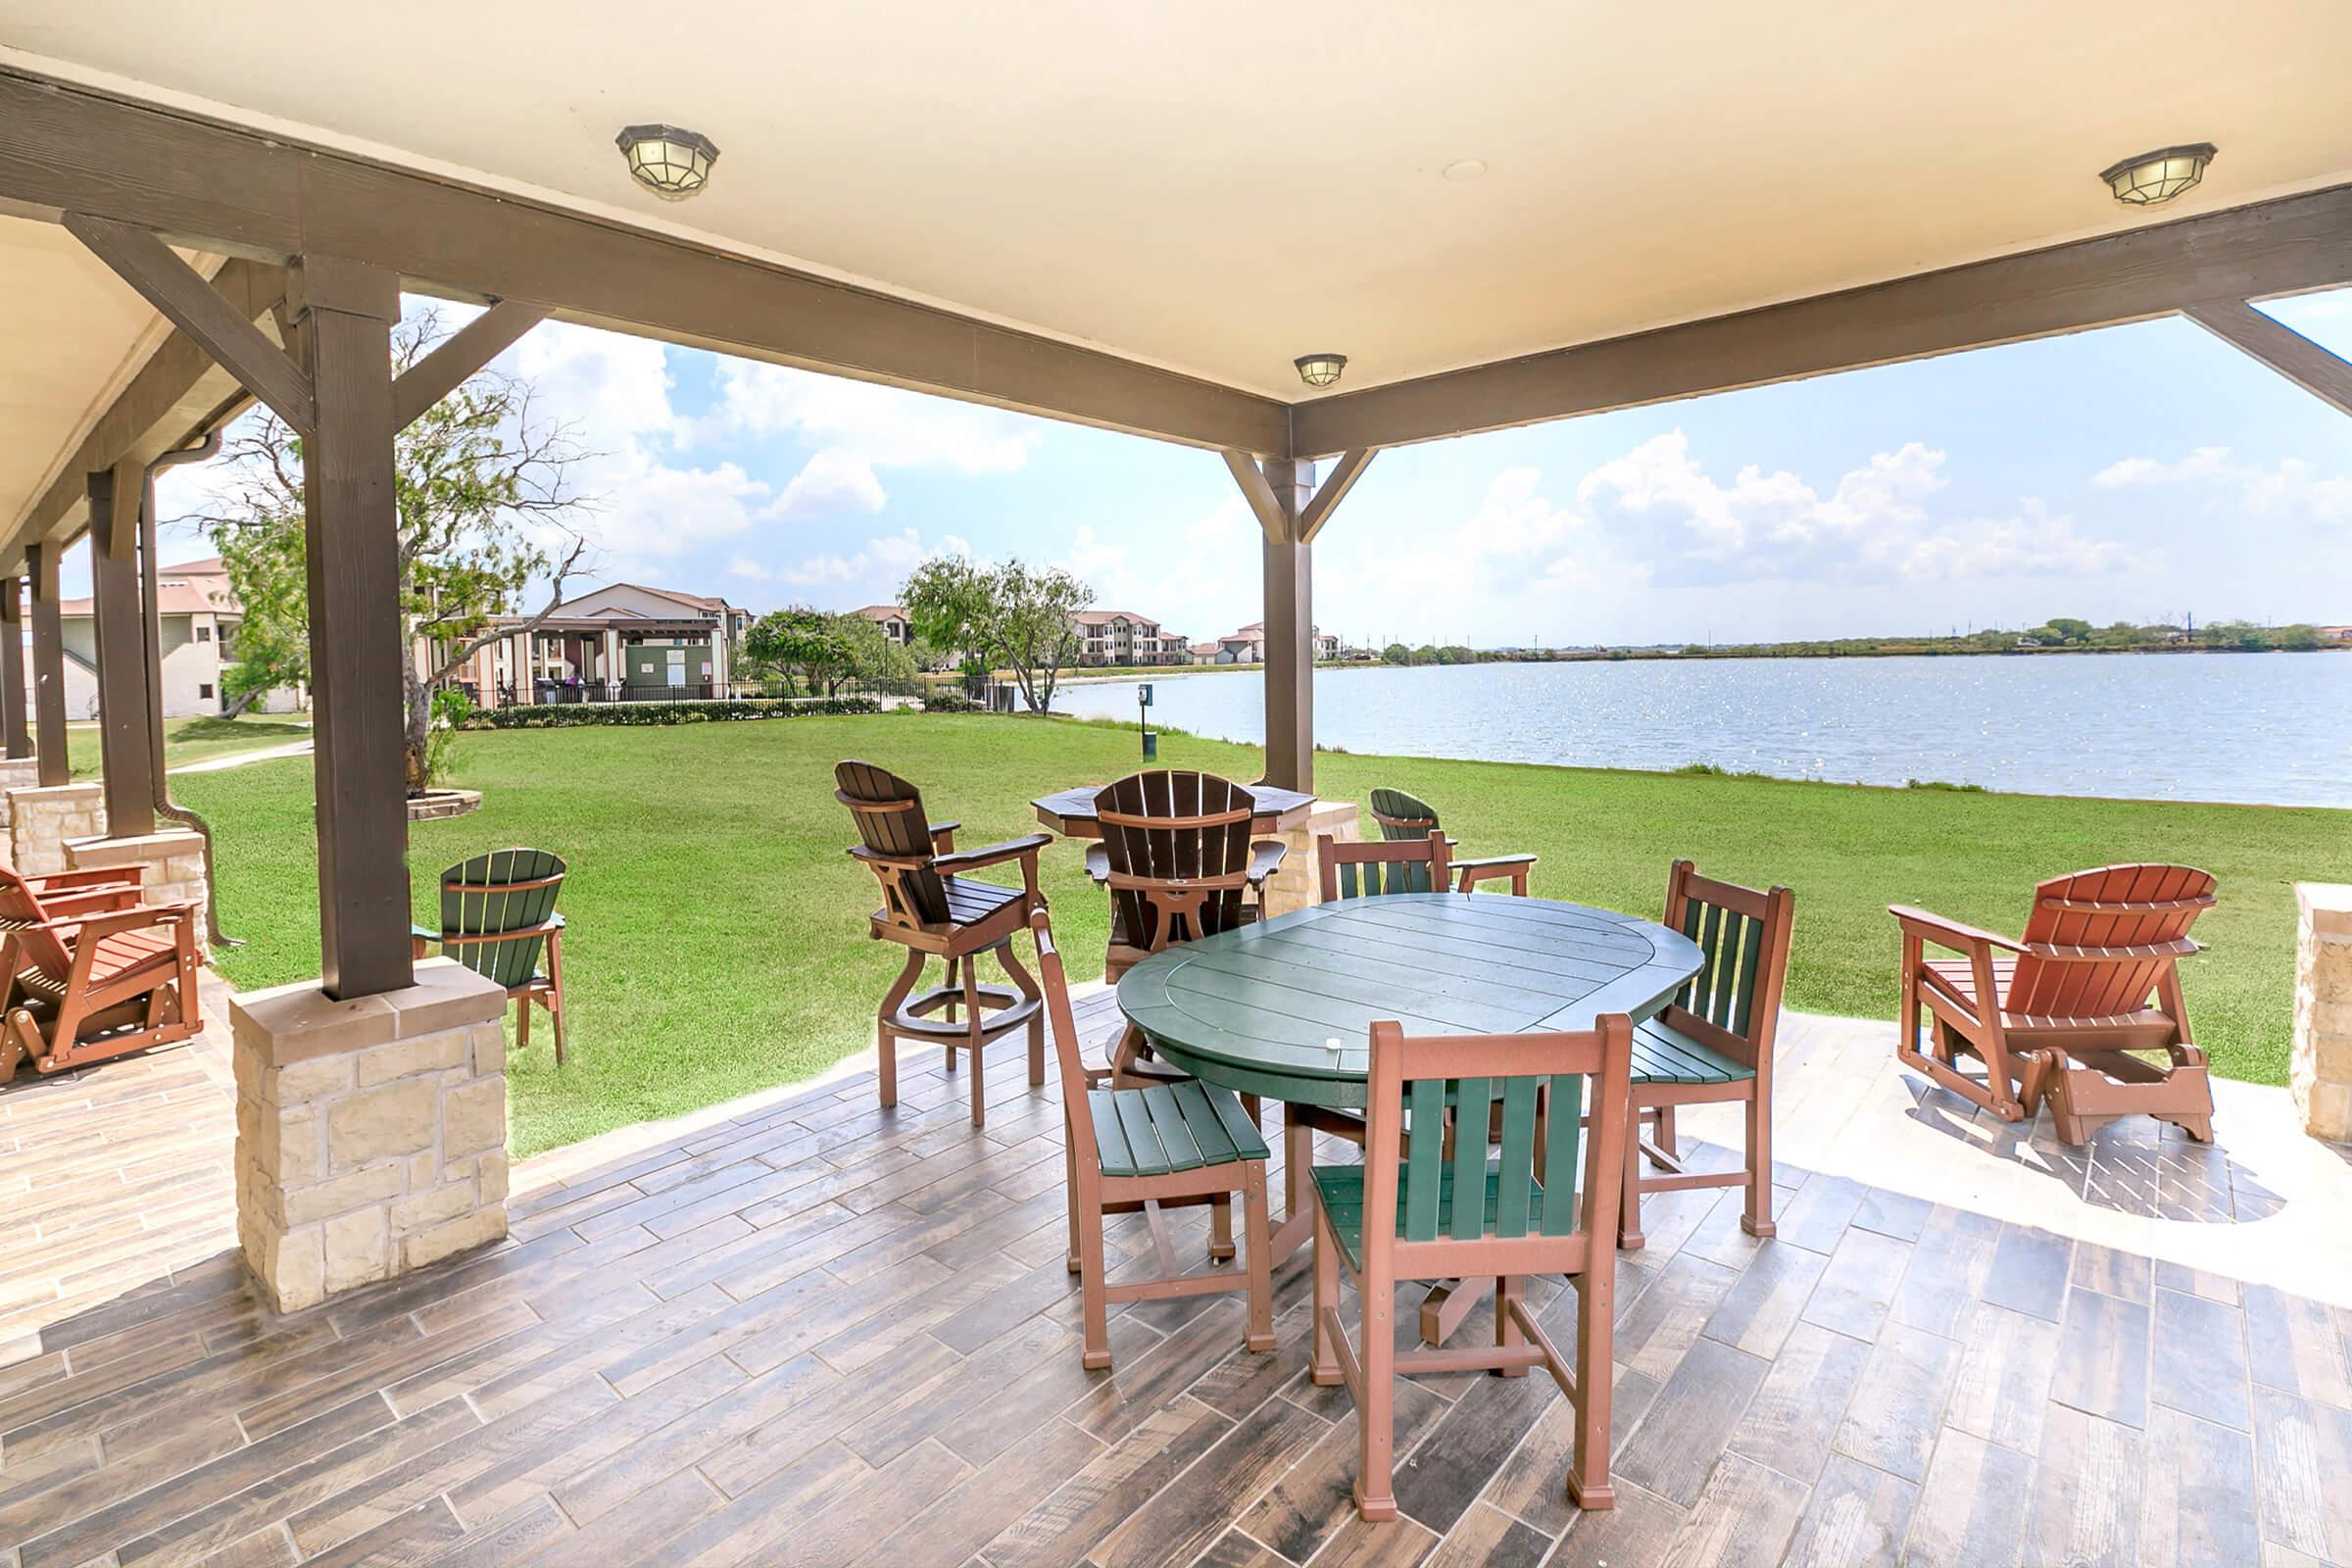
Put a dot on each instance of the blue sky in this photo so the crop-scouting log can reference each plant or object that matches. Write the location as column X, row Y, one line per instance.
column 2136, row 473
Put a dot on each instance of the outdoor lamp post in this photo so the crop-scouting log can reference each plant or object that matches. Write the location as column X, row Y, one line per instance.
column 670, row 163
column 2160, row 175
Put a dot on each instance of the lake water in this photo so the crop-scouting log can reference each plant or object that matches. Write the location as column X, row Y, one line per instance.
column 2266, row 729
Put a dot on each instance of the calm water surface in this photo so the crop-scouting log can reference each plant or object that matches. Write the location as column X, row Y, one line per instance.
column 2265, row 728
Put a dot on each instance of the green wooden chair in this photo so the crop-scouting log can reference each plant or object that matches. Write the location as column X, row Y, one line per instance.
column 1713, row 1042
column 1407, row 816
column 498, row 916
column 1173, row 1144
column 1424, row 1212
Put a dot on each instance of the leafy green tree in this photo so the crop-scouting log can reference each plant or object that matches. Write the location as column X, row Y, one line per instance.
column 948, row 603
column 484, row 507
column 1395, row 654
column 1015, row 616
column 807, row 643
column 1426, row 654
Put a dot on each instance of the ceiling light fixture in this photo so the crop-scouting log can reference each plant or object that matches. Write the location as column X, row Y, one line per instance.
column 2160, row 175
column 1463, row 170
column 670, row 163
column 1320, row 369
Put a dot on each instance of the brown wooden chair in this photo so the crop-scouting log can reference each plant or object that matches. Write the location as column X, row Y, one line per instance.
column 1399, row 815
column 933, row 910
column 100, row 975
column 1173, row 1144
column 1431, row 1212
column 1713, row 1042
column 1176, row 856
column 498, row 919
column 2086, row 1012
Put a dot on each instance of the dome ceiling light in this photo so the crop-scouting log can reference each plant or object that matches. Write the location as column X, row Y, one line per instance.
column 1320, row 369
column 670, row 163
column 2154, row 177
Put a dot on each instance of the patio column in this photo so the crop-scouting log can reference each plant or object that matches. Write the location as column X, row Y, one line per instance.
column 48, row 666
column 610, row 673
column 125, row 746
column 12, row 669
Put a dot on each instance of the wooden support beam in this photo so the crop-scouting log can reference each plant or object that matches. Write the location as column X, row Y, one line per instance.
column 1272, row 520
column 48, row 667
column 188, row 299
column 125, row 759
column 1331, row 491
column 344, row 327
column 179, row 395
column 74, row 150
column 11, row 667
column 464, row 352
column 2288, row 246
column 2314, row 368
column 1289, row 581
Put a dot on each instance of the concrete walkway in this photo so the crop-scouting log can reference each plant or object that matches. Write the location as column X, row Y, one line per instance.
column 268, row 753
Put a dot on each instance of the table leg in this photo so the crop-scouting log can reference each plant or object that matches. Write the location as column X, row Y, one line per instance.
column 1447, row 1303
column 1298, row 1212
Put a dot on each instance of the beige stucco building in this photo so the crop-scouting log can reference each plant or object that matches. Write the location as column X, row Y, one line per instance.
column 199, row 616
column 623, row 643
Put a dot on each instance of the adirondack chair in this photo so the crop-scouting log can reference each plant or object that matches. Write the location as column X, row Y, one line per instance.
column 1394, row 864
column 933, row 910
column 498, row 915
column 1713, row 1042
column 90, row 972
column 2081, row 1012
column 1430, row 1212
column 1177, row 858
column 1399, row 815
column 1172, row 1145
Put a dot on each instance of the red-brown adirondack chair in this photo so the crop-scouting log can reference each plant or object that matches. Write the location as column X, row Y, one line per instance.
column 932, row 909
column 90, row 972
column 2081, row 1012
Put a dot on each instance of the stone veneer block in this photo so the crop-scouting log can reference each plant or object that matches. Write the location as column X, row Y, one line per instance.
column 170, row 866
column 371, row 1134
column 1300, row 882
column 41, row 819
column 2318, row 1072
column 17, row 773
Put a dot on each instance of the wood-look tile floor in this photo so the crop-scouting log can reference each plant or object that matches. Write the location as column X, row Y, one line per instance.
column 818, row 1334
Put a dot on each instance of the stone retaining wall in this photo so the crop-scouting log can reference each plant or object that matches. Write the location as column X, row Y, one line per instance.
column 371, row 1134
column 2320, row 1070
column 17, row 773
column 41, row 821
column 171, row 862
column 1300, row 882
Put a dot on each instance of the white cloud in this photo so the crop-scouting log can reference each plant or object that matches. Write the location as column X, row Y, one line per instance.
column 748, row 570
column 873, row 571
column 858, row 429
column 2031, row 544
column 2290, row 490
column 2202, row 464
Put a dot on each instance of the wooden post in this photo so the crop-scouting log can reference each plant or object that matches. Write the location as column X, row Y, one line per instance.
column 1290, row 635
column 48, row 667
column 11, row 668
column 343, row 313
column 124, row 747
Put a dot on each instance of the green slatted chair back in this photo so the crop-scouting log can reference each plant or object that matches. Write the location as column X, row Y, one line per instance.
column 506, row 889
column 1525, row 1205
column 1735, row 998
column 1382, row 865
column 1399, row 815
column 1178, row 845
column 896, row 835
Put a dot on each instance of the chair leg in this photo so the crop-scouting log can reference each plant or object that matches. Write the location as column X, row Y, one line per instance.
column 522, row 1024
column 1507, row 1333
column 1595, row 1348
column 1093, row 1290
column 973, row 1020
column 1757, row 1220
column 1069, row 1170
column 1220, row 1229
column 1629, row 1201
column 1037, row 1020
column 886, row 1040
column 1668, row 1143
column 1323, row 1357
column 1376, row 1411
column 1256, row 1233
column 554, row 988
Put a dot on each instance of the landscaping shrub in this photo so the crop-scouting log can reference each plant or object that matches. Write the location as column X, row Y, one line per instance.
column 563, row 715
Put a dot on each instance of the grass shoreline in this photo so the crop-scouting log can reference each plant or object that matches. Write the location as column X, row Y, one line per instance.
column 716, row 931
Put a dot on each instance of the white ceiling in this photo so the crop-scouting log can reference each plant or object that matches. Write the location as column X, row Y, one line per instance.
column 1219, row 186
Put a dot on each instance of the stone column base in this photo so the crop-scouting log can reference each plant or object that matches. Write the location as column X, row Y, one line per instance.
column 1300, row 882
column 41, row 821
column 371, row 1134
column 17, row 773
column 2318, row 1073
column 171, row 862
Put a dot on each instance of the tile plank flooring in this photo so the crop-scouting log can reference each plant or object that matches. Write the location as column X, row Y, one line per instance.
column 802, row 1330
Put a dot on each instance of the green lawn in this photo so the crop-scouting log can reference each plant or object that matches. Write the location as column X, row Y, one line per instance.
column 191, row 740
column 718, row 933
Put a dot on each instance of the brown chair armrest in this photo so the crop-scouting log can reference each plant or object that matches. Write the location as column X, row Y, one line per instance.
column 99, row 927
column 1265, row 859
column 1953, row 934
column 461, row 938
column 95, row 876
column 995, row 855
column 1098, row 863
column 1484, row 860
column 80, row 902
column 943, row 837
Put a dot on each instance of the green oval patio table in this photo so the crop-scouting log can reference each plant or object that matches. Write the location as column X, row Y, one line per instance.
column 1285, row 1007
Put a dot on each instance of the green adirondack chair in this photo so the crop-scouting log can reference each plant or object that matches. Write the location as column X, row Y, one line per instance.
column 1408, row 817
column 498, row 915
